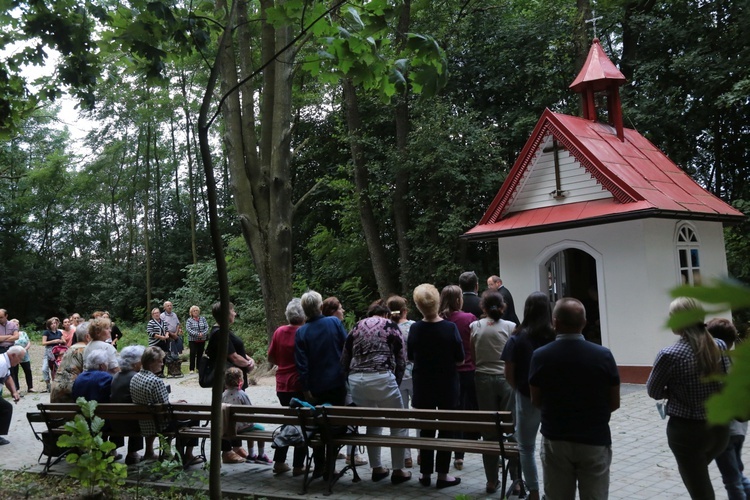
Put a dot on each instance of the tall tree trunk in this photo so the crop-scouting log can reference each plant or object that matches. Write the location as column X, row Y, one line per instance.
column 157, row 225
column 401, row 179
column 146, row 194
column 176, row 166
column 191, row 182
column 375, row 247
column 259, row 169
column 582, row 33
column 630, row 36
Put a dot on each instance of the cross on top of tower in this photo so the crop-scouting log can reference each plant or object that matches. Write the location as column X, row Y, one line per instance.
column 593, row 21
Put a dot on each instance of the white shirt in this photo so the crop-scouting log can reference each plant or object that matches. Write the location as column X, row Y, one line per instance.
column 4, row 366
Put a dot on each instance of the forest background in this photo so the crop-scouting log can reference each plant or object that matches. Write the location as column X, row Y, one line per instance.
column 350, row 165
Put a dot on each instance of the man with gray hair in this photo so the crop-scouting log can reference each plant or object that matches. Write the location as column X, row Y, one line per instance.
column 318, row 345
column 174, row 328
column 8, row 359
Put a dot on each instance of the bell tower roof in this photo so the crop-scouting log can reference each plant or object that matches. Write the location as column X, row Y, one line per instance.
column 598, row 72
column 600, row 76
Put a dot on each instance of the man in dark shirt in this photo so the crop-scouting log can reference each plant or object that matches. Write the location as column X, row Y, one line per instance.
column 318, row 345
column 469, row 283
column 576, row 385
column 495, row 283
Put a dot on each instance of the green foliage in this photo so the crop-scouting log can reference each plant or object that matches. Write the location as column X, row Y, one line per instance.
column 171, row 470
column 357, row 44
column 733, row 402
column 92, row 461
column 30, row 30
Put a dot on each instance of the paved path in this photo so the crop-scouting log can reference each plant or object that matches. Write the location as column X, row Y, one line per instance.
column 642, row 468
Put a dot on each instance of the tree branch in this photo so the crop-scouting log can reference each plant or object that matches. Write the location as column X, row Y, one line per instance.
column 286, row 47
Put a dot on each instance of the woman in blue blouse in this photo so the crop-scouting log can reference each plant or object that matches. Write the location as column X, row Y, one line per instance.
column 681, row 375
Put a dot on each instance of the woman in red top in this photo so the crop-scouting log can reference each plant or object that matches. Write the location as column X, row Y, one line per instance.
column 451, row 303
column 281, row 354
column 69, row 331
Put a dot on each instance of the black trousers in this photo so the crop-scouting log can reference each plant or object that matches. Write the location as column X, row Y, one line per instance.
column 335, row 397
column 196, row 353
column 6, row 414
column 279, row 455
column 26, row 365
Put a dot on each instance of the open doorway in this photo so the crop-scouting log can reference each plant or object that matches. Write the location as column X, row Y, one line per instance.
column 572, row 273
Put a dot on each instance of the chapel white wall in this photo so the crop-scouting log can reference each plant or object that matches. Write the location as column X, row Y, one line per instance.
column 636, row 268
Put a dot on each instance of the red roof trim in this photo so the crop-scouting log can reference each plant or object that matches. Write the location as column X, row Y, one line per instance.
column 508, row 189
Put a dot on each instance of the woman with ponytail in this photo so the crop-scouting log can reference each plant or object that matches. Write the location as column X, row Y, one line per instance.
column 681, row 375
column 488, row 338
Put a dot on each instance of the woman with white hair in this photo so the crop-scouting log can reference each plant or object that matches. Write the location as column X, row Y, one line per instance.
column 95, row 382
column 281, row 354
column 130, row 364
column 435, row 347
column 197, row 328
column 682, row 374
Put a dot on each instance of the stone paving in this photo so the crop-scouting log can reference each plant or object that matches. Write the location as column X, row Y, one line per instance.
column 642, row 468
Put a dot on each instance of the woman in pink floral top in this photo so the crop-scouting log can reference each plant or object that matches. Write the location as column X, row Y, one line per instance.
column 374, row 360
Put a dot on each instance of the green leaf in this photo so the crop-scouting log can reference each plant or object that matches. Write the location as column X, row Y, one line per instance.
column 354, row 16
column 733, row 402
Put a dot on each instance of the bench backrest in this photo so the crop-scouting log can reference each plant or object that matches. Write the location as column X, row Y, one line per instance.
column 489, row 422
column 55, row 415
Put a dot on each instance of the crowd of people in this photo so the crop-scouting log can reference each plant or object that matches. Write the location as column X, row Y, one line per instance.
column 466, row 352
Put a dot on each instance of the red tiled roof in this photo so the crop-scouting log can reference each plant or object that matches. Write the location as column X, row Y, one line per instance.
column 642, row 180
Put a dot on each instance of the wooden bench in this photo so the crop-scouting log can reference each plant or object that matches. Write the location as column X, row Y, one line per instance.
column 271, row 417
column 54, row 416
column 330, row 426
column 338, row 429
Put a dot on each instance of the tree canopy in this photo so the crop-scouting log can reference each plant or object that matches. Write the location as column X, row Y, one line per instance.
column 337, row 172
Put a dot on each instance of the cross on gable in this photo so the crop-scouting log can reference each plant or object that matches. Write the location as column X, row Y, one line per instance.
column 593, row 21
column 558, row 192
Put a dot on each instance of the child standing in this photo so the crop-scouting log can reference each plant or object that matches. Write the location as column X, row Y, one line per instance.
column 233, row 394
column 730, row 461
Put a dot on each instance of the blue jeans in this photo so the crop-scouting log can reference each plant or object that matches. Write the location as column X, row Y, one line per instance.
column 378, row 390
column 731, row 468
column 528, row 418
column 407, row 391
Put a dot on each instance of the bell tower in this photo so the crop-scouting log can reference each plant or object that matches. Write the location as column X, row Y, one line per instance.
column 600, row 80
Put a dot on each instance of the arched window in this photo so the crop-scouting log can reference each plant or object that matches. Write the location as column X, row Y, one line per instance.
column 688, row 255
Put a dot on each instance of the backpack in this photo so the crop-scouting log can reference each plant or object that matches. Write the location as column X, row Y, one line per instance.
column 205, row 372
column 58, row 352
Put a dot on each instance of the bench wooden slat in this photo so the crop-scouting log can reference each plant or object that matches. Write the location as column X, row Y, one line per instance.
column 420, row 443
